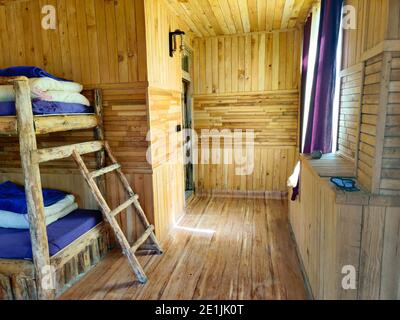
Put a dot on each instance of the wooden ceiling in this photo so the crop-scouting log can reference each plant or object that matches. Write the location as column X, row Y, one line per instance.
column 220, row 17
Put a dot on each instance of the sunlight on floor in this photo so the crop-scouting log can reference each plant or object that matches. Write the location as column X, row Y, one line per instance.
column 195, row 230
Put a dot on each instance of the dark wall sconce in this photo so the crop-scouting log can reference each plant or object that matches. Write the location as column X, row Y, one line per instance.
column 172, row 41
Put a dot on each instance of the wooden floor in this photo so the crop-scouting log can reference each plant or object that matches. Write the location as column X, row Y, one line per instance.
column 223, row 248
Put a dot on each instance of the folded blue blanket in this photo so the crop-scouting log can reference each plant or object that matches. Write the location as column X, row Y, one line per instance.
column 27, row 71
column 12, row 197
column 40, row 107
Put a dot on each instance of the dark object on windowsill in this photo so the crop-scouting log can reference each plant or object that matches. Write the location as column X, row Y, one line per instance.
column 316, row 155
column 346, row 184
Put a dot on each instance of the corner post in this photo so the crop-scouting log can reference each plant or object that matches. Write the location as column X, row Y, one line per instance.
column 33, row 188
column 99, row 135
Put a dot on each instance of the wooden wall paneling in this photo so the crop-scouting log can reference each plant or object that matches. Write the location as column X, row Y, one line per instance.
column 390, row 173
column 334, row 230
column 273, row 116
column 371, row 255
column 164, row 106
column 249, row 63
column 351, row 88
column 390, row 278
column 369, row 119
column 165, row 113
column 88, row 45
column 348, row 243
column 382, row 88
column 370, row 31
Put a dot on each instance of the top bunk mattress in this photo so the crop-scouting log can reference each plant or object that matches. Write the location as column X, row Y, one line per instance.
column 40, row 107
column 16, row 243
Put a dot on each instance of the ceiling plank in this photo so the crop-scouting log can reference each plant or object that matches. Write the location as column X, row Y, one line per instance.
column 278, row 13
column 287, row 13
column 237, row 19
column 269, row 26
column 218, row 14
column 261, row 12
column 226, row 12
column 244, row 14
column 305, row 10
column 204, row 18
column 196, row 20
column 205, row 5
column 252, row 8
column 175, row 6
column 294, row 19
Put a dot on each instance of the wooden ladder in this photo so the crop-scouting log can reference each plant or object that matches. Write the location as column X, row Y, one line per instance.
column 127, row 250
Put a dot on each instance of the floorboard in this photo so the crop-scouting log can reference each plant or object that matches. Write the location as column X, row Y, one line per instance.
column 223, row 248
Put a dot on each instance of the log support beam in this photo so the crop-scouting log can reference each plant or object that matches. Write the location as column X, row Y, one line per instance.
column 33, row 189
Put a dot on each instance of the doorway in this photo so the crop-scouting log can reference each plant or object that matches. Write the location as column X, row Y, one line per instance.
column 187, row 142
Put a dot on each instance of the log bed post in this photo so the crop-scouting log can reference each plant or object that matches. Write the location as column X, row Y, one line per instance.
column 33, row 187
column 99, row 135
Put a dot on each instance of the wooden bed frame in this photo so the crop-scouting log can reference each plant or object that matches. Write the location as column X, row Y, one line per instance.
column 22, row 279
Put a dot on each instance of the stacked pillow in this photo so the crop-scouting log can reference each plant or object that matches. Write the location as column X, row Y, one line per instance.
column 48, row 89
column 14, row 211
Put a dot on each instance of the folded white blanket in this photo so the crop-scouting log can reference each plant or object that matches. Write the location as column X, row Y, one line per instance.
column 58, row 206
column 13, row 220
column 48, row 84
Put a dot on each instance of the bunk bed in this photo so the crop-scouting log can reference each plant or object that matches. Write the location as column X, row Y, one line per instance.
column 59, row 253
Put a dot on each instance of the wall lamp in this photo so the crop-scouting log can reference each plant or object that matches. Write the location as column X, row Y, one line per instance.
column 172, row 41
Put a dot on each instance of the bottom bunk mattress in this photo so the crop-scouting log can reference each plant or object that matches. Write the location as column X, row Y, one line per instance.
column 16, row 243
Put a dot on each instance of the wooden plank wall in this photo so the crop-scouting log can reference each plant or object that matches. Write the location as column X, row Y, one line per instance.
column 96, row 41
column 100, row 44
column 368, row 132
column 335, row 229
column 163, row 71
column 272, row 116
column 248, row 63
column 370, row 29
column 390, row 175
column 249, row 82
column 164, row 114
column 374, row 44
column 349, row 111
column 327, row 234
column 367, row 223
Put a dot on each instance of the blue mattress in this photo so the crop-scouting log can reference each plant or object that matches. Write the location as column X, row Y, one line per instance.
column 16, row 243
column 40, row 107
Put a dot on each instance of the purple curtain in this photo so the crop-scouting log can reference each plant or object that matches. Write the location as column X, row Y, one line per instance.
column 319, row 126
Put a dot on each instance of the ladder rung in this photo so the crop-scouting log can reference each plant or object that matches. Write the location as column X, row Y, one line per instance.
column 49, row 154
column 123, row 206
column 105, row 170
column 142, row 238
